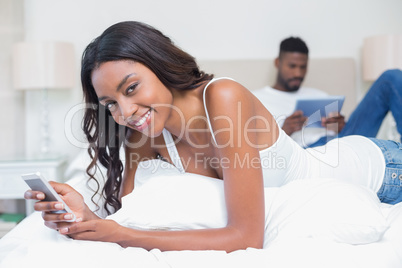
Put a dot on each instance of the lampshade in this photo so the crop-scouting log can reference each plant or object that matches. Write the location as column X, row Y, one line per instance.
column 44, row 66
column 381, row 53
column 38, row 65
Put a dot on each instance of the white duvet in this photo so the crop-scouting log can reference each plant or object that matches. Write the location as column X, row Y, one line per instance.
column 314, row 223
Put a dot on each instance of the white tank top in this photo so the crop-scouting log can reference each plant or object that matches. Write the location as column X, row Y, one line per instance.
column 284, row 161
column 354, row 159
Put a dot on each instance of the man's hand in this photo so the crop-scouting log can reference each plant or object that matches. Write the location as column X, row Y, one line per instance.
column 294, row 122
column 334, row 122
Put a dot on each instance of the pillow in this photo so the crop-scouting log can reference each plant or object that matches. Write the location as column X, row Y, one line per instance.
column 174, row 202
column 317, row 208
column 325, row 209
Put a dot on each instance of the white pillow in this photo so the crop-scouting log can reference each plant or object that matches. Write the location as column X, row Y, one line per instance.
column 326, row 209
column 174, row 202
column 319, row 208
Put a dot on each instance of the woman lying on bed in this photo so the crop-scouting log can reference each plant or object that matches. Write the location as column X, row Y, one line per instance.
column 164, row 107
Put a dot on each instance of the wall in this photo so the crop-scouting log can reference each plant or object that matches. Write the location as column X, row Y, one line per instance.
column 208, row 29
column 12, row 117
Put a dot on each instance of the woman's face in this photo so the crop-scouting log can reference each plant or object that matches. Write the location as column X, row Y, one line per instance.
column 134, row 95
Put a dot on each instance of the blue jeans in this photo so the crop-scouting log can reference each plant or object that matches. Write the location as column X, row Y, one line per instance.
column 391, row 189
column 384, row 95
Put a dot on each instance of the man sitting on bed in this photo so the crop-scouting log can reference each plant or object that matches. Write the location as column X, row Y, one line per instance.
column 384, row 95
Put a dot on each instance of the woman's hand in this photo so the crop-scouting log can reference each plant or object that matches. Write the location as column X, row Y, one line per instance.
column 70, row 196
column 94, row 230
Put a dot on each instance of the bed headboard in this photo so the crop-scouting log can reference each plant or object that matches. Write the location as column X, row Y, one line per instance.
column 337, row 76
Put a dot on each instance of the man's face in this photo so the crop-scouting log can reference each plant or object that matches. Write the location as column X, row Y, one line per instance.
column 292, row 68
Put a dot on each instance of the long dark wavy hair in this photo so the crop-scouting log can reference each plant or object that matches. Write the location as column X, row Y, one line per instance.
column 138, row 42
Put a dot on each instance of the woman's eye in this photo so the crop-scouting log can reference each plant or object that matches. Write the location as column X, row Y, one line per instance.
column 131, row 88
column 111, row 106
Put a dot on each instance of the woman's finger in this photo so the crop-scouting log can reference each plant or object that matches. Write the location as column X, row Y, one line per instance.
column 57, row 217
column 80, row 227
column 48, row 206
column 36, row 195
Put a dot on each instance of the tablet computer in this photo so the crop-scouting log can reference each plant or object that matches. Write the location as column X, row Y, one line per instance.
column 316, row 108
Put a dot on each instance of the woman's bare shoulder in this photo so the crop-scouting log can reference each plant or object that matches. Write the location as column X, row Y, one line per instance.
column 227, row 92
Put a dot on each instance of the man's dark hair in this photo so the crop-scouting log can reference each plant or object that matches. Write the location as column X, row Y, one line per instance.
column 293, row 44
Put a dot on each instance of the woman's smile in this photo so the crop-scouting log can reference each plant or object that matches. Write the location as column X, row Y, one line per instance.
column 142, row 122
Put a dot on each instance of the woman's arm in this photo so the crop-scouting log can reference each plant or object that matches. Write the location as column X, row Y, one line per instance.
column 231, row 106
column 228, row 238
column 243, row 185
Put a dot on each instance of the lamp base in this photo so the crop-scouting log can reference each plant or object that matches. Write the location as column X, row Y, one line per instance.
column 45, row 139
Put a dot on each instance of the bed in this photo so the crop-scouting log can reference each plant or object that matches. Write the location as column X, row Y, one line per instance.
column 312, row 223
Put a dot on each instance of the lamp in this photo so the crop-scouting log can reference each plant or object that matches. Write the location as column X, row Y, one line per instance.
column 43, row 66
column 381, row 53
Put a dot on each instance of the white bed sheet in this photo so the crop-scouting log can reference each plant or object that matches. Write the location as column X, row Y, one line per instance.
column 31, row 244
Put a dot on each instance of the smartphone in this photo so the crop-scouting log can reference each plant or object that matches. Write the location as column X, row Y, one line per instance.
column 37, row 183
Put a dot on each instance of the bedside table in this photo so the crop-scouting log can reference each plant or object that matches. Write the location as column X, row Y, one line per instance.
column 13, row 187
